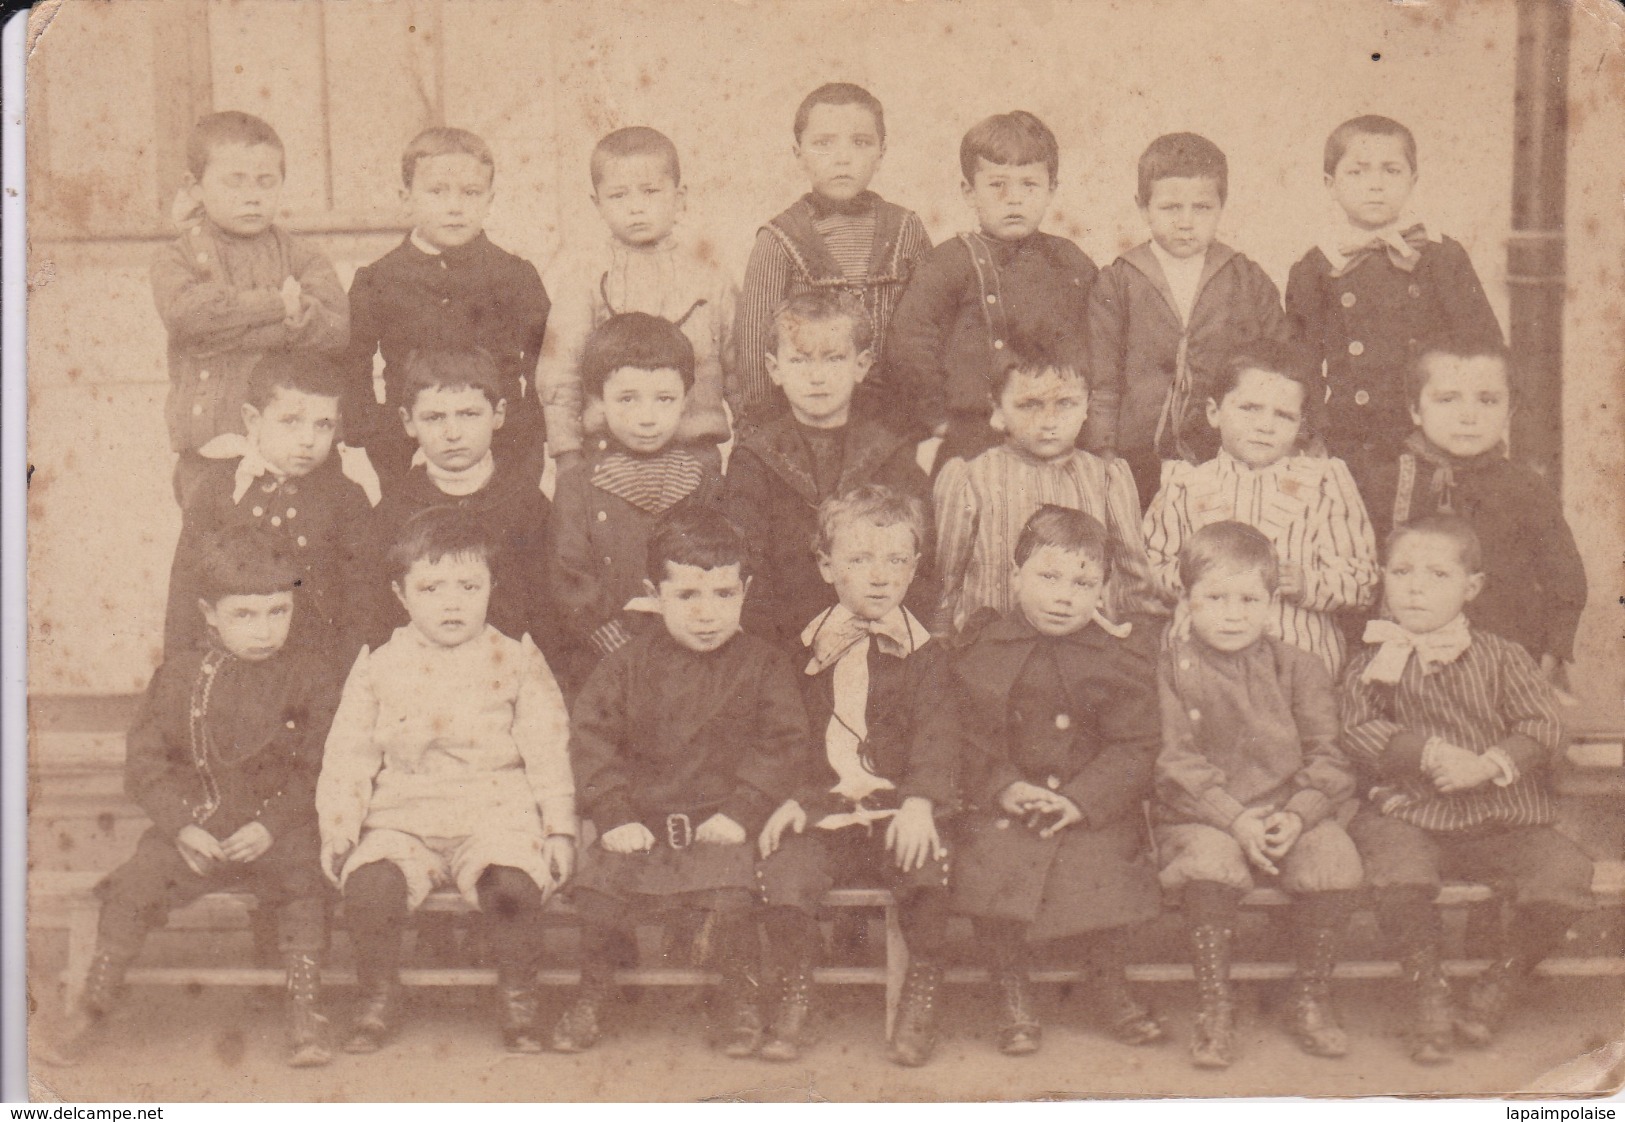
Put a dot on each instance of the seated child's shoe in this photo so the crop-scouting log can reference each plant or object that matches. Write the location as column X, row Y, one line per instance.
column 1487, row 1002
column 308, row 1044
column 1021, row 1033
column 741, row 1028
column 1432, row 1017
column 1213, row 1036
column 377, row 1019
column 1126, row 1018
column 1314, row 1024
column 87, row 1025
column 580, row 1028
column 915, row 1036
column 516, row 1007
column 790, row 1017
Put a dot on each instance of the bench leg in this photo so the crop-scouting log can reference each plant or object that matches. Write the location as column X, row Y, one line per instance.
column 81, row 950
column 896, row 965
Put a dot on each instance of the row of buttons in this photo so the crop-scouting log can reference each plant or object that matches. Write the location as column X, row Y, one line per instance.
column 1348, row 299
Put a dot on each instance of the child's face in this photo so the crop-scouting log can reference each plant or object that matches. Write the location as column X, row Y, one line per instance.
column 446, row 599
column 1009, row 199
column 1259, row 421
column 1042, row 411
column 1183, row 214
column 1373, row 180
column 700, row 606
column 253, row 628
column 294, row 432
column 1229, row 607
column 638, row 200
column 818, row 367
column 1464, row 404
column 454, row 427
column 840, row 150
column 642, row 407
column 449, row 198
column 870, row 566
column 1426, row 584
column 240, row 187
column 1058, row 590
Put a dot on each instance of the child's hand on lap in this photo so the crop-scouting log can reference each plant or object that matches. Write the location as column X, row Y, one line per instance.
column 1251, row 833
column 248, row 844
column 912, row 835
column 1281, row 832
column 291, row 294
column 790, row 815
column 719, row 829
column 1021, row 797
column 334, row 851
column 633, row 837
column 1456, row 769
column 1065, row 811
column 559, row 857
column 199, row 849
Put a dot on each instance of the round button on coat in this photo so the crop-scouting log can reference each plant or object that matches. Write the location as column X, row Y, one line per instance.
column 1361, row 397
column 1356, row 348
column 1349, row 299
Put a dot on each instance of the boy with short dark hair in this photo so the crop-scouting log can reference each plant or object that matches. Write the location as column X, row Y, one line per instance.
column 446, row 287
column 452, row 406
column 875, row 688
column 283, row 478
column 223, row 757
column 637, row 369
column 645, row 265
column 1377, row 289
column 840, row 236
column 973, row 294
column 683, row 740
column 783, row 471
column 1456, row 733
column 234, row 285
column 1164, row 315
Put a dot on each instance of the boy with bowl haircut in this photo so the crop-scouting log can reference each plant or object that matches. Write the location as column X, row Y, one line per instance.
column 782, row 471
column 283, row 478
column 973, row 294
column 445, row 287
column 875, row 686
column 223, row 757
column 1165, row 314
column 1376, row 289
column 1456, row 733
column 1455, row 460
column 645, row 265
column 447, row 765
column 839, row 236
column 1250, row 774
column 234, row 285
column 683, row 740
column 637, row 369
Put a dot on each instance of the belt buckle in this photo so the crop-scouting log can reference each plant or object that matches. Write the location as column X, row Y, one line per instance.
column 679, row 831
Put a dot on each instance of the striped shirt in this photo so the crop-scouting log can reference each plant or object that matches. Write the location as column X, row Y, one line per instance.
column 1491, row 696
column 1311, row 512
column 983, row 503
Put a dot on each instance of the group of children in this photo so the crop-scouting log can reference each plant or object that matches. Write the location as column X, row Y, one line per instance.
column 1008, row 550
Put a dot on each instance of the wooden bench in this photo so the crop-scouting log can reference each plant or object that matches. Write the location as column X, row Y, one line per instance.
column 65, row 901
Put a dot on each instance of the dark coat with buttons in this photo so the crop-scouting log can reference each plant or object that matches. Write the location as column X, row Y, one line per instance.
column 252, row 753
column 322, row 516
column 945, row 341
column 1370, row 324
column 1076, row 714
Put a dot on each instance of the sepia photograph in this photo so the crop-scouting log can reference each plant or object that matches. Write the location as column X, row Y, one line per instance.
column 823, row 550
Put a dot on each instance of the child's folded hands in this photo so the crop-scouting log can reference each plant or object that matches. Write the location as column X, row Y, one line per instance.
column 249, row 843
column 1037, row 806
column 1251, row 831
column 631, row 837
column 1456, row 769
column 1282, row 830
column 790, row 815
column 199, row 849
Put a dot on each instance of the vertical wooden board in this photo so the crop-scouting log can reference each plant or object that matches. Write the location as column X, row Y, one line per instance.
column 92, row 155
column 265, row 59
column 383, row 89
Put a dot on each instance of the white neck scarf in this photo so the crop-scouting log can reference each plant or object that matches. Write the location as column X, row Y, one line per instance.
column 458, row 483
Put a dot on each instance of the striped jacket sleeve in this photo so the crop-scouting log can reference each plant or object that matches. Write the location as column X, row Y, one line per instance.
column 1166, row 525
column 1340, row 554
column 1529, row 708
column 768, row 274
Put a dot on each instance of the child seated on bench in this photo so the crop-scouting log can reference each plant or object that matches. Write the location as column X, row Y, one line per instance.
column 1456, row 731
column 875, row 689
column 1250, row 774
column 683, row 741
column 223, row 757
column 447, row 765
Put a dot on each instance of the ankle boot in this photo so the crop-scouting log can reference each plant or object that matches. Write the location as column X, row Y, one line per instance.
column 1213, row 1038
column 516, row 1012
column 377, row 1016
column 790, row 1015
column 1431, row 1015
column 915, row 1036
column 1496, row 990
column 308, row 1044
column 1021, row 1033
column 580, row 1027
column 1314, row 1024
column 740, row 1022
column 1124, row 1015
column 87, row 1024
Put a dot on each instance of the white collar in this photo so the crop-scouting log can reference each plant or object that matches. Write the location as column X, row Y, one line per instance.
column 458, row 483
column 425, row 247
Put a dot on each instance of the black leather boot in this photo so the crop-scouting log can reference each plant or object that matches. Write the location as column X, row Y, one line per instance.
column 914, row 1037
column 1020, row 1034
column 789, row 1021
column 1127, row 1018
column 1431, row 1014
column 1213, row 1037
column 377, row 1017
column 1314, row 1024
column 1496, row 990
column 516, row 1014
column 87, row 1024
column 308, row 1043
column 581, row 1025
